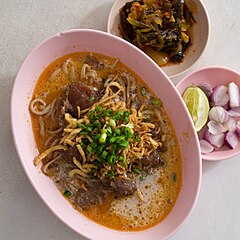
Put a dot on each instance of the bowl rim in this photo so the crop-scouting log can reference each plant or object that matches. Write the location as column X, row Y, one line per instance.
column 14, row 133
column 208, row 34
column 205, row 157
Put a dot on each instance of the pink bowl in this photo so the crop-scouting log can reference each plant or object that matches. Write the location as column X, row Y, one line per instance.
column 213, row 76
column 100, row 42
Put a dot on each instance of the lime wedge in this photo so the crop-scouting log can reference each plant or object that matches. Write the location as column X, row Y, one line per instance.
column 198, row 106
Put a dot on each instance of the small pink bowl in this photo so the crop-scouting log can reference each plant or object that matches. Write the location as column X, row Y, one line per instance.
column 213, row 76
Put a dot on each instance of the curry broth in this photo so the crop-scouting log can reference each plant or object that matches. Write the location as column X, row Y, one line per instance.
column 160, row 189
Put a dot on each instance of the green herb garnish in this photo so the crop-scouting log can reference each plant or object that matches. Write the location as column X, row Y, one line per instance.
column 174, row 176
column 67, row 193
column 137, row 171
column 91, row 99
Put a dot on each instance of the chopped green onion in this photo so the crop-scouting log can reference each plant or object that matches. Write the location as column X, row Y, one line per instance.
column 97, row 124
column 137, row 139
column 107, row 113
column 124, row 144
column 89, row 148
column 125, row 119
column 100, row 148
column 104, row 130
column 127, row 130
column 93, row 144
column 91, row 99
column 112, row 140
column 156, row 102
column 124, row 163
column 120, row 139
column 109, row 130
column 96, row 137
column 142, row 177
column 127, row 114
column 67, row 193
column 116, row 117
column 111, row 174
column 92, row 115
column 104, row 154
column 121, row 159
column 137, row 171
column 117, row 132
column 80, row 125
column 98, row 108
column 112, row 159
column 83, row 133
column 102, row 138
column 112, row 123
column 89, row 127
column 99, row 115
column 174, row 176
column 120, row 112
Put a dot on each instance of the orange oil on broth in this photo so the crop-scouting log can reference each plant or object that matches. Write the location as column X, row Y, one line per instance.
column 160, row 189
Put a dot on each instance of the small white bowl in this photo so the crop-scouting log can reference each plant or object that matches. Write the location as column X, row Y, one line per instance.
column 200, row 34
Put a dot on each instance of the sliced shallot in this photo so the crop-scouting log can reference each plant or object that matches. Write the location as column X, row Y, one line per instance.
column 216, row 140
column 207, row 89
column 238, row 128
column 230, row 125
column 233, row 92
column 216, row 127
column 218, row 114
column 231, row 140
column 205, row 146
column 219, row 96
column 234, row 112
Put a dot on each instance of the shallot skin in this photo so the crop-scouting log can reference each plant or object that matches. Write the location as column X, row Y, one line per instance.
column 218, row 114
column 215, row 127
column 216, row 140
column 205, row 146
column 233, row 92
column 206, row 88
column 219, row 96
column 231, row 140
column 238, row 128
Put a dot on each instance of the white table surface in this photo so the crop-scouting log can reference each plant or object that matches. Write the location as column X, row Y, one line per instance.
column 23, row 24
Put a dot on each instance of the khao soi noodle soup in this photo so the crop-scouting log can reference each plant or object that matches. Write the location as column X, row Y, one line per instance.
column 106, row 141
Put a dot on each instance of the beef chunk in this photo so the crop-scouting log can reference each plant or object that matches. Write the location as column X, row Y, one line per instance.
column 93, row 62
column 69, row 154
column 152, row 160
column 81, row 95
column 77, row 94
column 123, row 187
column 62, row 106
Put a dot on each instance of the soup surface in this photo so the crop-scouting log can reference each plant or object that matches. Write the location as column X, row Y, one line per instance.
column 106, row 141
